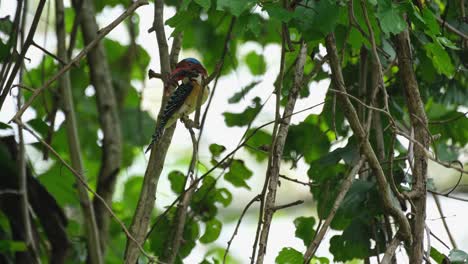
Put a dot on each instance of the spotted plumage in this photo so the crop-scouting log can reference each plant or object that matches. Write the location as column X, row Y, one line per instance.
column 183, row 100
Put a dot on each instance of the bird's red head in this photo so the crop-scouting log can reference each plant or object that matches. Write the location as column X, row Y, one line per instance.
column 186, row 68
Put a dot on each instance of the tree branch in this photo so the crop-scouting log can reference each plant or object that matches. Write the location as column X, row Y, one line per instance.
column 92, row 232
column 419, row 124
column 390, row 252
column 345, row 185
column 365, row 146
column 277, row 151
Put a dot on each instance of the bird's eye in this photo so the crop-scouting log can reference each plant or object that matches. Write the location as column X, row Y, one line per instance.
column 189, row 64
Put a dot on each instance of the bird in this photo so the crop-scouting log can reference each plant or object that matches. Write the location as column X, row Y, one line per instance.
column 183, row 101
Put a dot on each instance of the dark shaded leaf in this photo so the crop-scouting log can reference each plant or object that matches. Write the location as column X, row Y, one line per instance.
column 177, row 180
column 305, row 229
column 238, row 174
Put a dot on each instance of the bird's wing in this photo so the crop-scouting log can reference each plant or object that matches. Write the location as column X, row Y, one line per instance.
column 176, row 100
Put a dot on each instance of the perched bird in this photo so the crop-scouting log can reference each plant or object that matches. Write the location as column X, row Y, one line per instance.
column 183, row 100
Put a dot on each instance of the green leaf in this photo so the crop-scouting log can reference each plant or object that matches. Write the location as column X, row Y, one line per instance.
column 305, row 229
column 234, row 7
column 137, row 126
column 161, row 233
column 289, row 256
column 181, row 20
column 216, row 149
column 440, row 59
column 437, row 256
column 191, row 233
column 458, row 256
column 131, row 192
column 224, row 196
column 177, row 180
column 12, row 246
column 390, row 17
column 238, row 174
column 317, row 19
column 306, row 139
column 244, row 118
column 353, row 243
column 4, row 126
column 431, row 22
column 259, row 143
column 6, row 25
column 206, row 4
column 4, row 51
column 60, row 183
column 212, row 231
column 256, row 63
column 276, row 11
column 241, row 94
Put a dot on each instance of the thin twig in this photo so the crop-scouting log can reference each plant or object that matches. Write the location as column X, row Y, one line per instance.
column 255, row 199
column 48, row 53
column 279, row 207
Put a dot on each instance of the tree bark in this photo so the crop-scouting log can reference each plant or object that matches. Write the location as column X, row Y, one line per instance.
column 419, row 125
column 89, row 218
column 101, row 79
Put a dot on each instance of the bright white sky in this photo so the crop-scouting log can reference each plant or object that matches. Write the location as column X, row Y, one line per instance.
column 282, row 234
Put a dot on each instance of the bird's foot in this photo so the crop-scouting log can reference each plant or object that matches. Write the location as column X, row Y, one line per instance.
column 189, row 123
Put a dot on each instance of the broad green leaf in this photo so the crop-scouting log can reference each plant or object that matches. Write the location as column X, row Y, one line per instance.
column 353, row 243
column 4, row 126
column 177, row 180
column 161, row 233
column 4, row 51
column 238, row 174
column 181, row 20
column 305, row 229
column 234, row 7
column 6, row 25
column 458, row 256
column 60, row 183
column 244, row 118
column 289, row 256
column 256, row 63
column 390, row 17
column 137, row 126
column 276, row 11
column 216, row 149
column 431, row 22
column 131, row 192
column 258, row 144
column 12, row 246
column 191, row 233
column 437, row 256
column 212, row 231
column 317, row 19
column 241, row 94
column 223, row 196
column 206, row 4
column 440, row 59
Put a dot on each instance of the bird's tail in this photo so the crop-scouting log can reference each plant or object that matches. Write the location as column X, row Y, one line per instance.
column 156, row 136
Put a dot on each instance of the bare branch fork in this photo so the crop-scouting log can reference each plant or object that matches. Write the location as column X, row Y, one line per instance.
column 102, row 33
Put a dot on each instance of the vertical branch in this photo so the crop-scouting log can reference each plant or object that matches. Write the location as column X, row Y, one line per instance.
column 175, row 238
column 5, row 89
column 101, row 79
column 92, row 233
column 365, row 146
column 147, row 199
column 21, row 158
column 277, row 152
column 419, row 124
column 314, row 244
